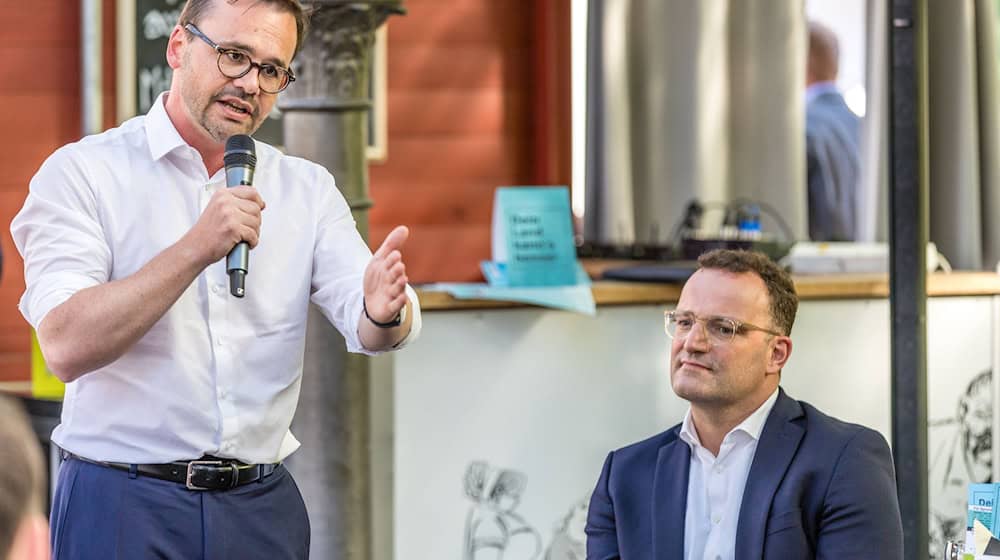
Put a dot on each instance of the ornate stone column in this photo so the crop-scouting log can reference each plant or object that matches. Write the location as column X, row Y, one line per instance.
column 325, row 120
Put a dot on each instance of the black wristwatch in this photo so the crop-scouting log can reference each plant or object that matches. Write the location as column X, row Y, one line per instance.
column 395, row 322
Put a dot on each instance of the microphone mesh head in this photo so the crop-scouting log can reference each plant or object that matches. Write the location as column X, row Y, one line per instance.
column 240, row 151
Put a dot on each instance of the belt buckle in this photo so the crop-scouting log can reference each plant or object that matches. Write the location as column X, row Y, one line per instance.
column 190, row 473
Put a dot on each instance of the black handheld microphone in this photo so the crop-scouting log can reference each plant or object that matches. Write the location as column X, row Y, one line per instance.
column 240, row 160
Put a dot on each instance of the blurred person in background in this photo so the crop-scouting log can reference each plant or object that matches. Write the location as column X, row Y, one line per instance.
column 24, row 531
column 833, row 156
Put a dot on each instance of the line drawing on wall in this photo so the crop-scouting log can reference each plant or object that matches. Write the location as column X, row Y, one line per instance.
column 960, row 450
column 493, row 529
column 570, row 541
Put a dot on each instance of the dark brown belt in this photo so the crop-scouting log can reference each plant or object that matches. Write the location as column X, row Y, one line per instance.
column 207, row 473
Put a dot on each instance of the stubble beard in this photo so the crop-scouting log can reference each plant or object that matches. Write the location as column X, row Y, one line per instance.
column 218, row 128
column 221, row 129
column 694, row 387
column 719, row 388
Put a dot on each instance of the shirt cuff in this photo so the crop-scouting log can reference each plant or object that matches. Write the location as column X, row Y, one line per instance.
column 416, row 323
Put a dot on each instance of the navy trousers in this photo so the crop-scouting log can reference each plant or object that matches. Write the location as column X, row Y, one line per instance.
column 100, row 513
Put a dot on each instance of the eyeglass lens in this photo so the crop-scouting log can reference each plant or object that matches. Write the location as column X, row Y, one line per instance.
column 235, row 64
column 719, row 328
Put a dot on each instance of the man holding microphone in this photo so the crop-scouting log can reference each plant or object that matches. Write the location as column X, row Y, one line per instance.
column 179, row 395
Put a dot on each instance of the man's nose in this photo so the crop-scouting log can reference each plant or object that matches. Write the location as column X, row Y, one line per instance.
column 249, row 82
column 697, row 338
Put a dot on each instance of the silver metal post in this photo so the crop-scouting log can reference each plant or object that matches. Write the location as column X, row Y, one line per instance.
column 91, row 74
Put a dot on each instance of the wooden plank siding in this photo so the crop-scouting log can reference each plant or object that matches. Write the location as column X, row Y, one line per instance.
column 472, row 88
column 39, row 111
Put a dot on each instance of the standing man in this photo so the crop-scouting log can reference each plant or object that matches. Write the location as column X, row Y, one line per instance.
column 833, row 156
column 750, row 473
column 179, row 396
column 24, row 532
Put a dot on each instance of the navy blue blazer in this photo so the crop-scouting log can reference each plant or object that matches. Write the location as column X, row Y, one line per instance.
column 817, row 488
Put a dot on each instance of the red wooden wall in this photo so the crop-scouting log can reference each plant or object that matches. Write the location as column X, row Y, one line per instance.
column 39, row 111
column 478, row 96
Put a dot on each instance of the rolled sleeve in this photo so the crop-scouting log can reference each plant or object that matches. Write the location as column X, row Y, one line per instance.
column 416, row 323
column 59, row 235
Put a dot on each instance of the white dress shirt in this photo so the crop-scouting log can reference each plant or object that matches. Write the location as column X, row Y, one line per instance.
column 715, row 486
column 216, row 374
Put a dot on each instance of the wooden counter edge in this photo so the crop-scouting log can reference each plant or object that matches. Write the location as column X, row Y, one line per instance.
column 846, row 286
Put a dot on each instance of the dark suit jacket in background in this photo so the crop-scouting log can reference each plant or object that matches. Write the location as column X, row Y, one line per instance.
column 833, row 161
column 817, row 488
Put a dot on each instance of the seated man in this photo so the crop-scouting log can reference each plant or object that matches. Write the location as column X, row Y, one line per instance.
column 24, row 531
column 750, row 472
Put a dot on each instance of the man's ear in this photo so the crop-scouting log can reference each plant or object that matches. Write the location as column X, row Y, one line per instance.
column 31, row 541
column 176, row 44
column 781, row 350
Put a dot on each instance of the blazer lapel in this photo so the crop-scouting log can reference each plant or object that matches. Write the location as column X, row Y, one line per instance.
column 778, row 442
column 670, row 484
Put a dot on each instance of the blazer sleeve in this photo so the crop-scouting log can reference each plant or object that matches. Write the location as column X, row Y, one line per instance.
column 602, row 536
column 861, row 508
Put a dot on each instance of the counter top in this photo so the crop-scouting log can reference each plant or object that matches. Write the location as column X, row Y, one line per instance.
column 842, row 286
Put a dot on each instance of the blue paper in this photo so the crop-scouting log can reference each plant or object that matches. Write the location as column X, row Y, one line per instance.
column 576, row 298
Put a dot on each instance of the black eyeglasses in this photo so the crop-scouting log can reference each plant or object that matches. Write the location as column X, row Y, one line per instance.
column 720, row 329
column 234, row 63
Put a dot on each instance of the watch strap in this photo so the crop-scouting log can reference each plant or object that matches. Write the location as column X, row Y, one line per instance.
column 395, row 322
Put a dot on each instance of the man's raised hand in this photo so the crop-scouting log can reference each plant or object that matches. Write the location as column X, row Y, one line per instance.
column 385, row 278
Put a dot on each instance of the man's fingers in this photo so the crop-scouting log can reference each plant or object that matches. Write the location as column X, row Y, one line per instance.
column 248, row 193
column 392, row 259
column 397, row 270
column 251, row 236
column 243, row 217
column 390, row 275
column 249, row 206
column 393, row 241
column 394, row 281
column 400, row 301
column 393, row 293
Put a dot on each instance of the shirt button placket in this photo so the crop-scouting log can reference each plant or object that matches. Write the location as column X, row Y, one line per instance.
column 221, row 333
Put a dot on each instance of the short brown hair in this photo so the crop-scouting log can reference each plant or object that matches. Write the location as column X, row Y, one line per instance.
column 780, row 288
column 194, row 10
column 22, row 478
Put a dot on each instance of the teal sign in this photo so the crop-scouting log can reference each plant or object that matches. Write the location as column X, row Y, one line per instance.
column 532, row 238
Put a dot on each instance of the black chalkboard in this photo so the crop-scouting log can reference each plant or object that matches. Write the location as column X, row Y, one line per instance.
column 154, row 21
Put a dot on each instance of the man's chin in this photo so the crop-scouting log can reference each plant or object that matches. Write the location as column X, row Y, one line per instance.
column 247, row 127
column 690, row 390
column 223, row 131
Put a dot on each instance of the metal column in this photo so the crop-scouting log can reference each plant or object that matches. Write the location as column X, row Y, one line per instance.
column 91, row 61
column 325, row 120
column 908, row 232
